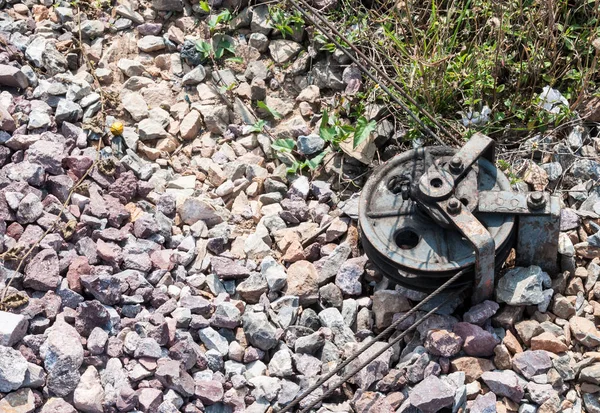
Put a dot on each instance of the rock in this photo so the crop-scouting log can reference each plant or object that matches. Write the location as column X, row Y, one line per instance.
column 473, row 367
column 259, row 330
column 213, row 340
column 386, row 303
column 311, row 144
column 302, row 282
column 504, row 383
column 532, row 363
column 227, row 269
column 480, row 313
column 89, row 394
column 167, row 5
column 193, row 210
column 12, row 77
column 375, row 370
column 523, row 286
column 477, row 342
column 21, row 401
column 282, row 51
column 585, row 331
column 63, row 355
column 13, row 367
column 13, row 328
column 194, row 76
column 151, row 43
column 549, row 342
column 190, row 125
column 591, row 374
column 443, row 343
column 41, row 273
column 431, row 395
column 484, row 403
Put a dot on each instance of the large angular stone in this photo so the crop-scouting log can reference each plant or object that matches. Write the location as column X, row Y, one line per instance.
column 13, row 367
column 504, row 383
column 431, row 395
column 13, row 328
column 63, row 355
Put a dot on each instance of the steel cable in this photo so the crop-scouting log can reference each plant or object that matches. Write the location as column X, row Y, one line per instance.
column 382, row 73
column 379, row 337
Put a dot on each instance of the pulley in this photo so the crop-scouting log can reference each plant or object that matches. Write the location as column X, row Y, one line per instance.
column 432, row 212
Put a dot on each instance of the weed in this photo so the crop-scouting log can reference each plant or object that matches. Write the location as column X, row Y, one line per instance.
column 272, row 112
column 287, row 23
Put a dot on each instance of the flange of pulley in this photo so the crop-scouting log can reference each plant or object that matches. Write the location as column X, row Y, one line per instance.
column 431, row 212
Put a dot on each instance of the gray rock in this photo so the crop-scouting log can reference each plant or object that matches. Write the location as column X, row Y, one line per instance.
column 260, row 42
column 504, row 383
column 531, row 363
column 13, row 328
column 167, row 5
column 195, row 76
column 12, row 77
column 431, row 395
column 260, row 332
column 13, row 367
column 310, row 144
column 523, row 286
column 282, row 51
column 274, row 273
column 151, row 44
column 68, row 111
column 63, row 355
column 213, row 340
column 261, row 20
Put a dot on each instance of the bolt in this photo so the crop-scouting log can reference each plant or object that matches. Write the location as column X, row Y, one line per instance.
column 536, row 200
column 456, row 164
column 454, row 206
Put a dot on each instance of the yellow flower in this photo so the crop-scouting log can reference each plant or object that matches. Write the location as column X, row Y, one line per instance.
column 116, row 128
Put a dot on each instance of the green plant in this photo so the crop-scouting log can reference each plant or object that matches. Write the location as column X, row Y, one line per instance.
column 285, row 22
column 205, row 6
column 456, row 57
column 332, row 130
column 215, row 49
column 215, row 19
column 272, row 112
column 286, row 148
column 258, row 126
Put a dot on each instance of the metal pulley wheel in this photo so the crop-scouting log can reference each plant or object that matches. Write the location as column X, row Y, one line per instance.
column 430, row 213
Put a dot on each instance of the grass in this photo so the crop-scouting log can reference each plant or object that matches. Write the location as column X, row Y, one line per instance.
column 456, row 56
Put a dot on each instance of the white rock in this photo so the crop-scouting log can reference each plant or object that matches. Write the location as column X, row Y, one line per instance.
column 12, row 328
column 89, row 393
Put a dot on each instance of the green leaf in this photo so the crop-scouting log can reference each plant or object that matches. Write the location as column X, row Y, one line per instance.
column 204, row 48
column 283, row 145
column 316, row 160
column 204, row 6
column 235, row 59
column 258, row 126
column 262, row 105
column 363, row 130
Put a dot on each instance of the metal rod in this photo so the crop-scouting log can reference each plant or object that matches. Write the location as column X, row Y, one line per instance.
column 384, row 333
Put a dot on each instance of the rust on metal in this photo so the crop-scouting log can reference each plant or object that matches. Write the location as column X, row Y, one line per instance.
column 430, row 213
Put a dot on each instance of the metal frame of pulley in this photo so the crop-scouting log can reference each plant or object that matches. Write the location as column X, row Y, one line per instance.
column 447, row 190
column 538, row 215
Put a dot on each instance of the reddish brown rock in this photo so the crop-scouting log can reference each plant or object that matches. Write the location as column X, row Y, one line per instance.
column 549, row 342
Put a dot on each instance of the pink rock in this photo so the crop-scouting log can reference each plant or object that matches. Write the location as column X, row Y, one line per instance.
column 477, row 341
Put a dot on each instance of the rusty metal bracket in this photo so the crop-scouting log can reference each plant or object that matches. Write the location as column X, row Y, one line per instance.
column 538, row 224
column 481, row 240
column 432, row 212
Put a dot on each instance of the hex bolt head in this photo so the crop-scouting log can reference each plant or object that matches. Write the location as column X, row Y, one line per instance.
column 456, row 165
column 536, row 200
column 454, row 206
